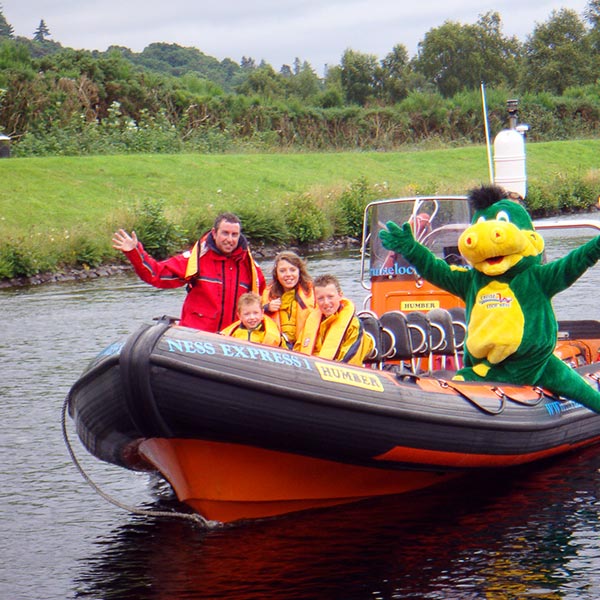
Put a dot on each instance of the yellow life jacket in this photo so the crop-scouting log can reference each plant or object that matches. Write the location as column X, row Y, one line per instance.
column 267, row 333
column 340, row 336
column 293, row 323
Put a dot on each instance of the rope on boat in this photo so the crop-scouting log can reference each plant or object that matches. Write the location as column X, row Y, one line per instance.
column 136, row 511
column 502, row 405
column 502, row 395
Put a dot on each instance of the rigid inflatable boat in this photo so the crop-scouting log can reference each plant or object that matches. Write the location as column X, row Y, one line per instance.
column 242, row 430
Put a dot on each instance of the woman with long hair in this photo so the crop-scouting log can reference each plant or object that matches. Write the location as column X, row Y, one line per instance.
column 290, row 296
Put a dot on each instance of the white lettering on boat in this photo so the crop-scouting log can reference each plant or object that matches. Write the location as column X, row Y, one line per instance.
column 264, row 354
column 239, row 351
column 395, row 269
column 338, row 374
column 190, row 347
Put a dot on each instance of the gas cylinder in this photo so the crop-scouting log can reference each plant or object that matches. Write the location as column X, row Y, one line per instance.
column 509, row 161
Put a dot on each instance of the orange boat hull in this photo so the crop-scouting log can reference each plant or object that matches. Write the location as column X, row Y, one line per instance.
column 228, row 482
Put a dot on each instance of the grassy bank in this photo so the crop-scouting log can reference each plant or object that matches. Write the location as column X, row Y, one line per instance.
column 59, row 205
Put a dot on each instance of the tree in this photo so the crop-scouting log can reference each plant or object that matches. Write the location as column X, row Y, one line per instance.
column 333, row 94
column 457, row 57
column 592, row 13
column 359, row 73
column 42, row 32
column 557, row 54
column 592, row 16
column 6, row 30
column 304, row 83
column 394, row 75
column 264, row 82
column 286, row 71
column 178, row 60
column 247, row 63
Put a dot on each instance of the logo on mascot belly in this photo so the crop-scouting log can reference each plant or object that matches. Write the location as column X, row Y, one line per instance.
column 495, row 300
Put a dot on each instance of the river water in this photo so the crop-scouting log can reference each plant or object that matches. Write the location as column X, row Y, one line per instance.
column 529, row 533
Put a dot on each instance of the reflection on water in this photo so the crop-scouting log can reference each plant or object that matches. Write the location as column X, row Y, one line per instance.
column 532, row 533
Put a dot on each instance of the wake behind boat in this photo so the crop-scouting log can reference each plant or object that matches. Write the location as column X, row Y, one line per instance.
column 242, row 431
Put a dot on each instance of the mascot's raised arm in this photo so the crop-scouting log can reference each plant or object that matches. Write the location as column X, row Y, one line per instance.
column 511, row 326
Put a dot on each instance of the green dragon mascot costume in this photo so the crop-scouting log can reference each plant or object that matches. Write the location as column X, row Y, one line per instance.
column 512, row 329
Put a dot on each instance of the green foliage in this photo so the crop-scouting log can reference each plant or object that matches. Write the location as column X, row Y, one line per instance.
column 303, row 83
column 64, row 101
column 263, row 223
column 262, row 82
column 209, row 141
column 557, row 54
column 83, row 252
column 351, row 206
column 539, row 202
column 42, row 32
column 574, row 194
column 359, row 74
column 394, row 76
column 457, row 57
column 18, row 259
column 200, row 223
column 330, row 98
column 428, row 115
column 6, row 29
column 200, row 86
column 75, row 102
column 563, row 194
column 160, row 236
column 85, row 195
column 117, row 134
column 305, row 221
column 177, row 61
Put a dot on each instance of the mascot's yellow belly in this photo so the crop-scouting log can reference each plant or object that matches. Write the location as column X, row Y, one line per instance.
column 496, row 324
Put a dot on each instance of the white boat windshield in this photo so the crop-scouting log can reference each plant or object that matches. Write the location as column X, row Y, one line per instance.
column 437, row 223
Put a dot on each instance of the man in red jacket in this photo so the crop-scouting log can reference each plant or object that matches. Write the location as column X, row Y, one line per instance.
column 217, row 271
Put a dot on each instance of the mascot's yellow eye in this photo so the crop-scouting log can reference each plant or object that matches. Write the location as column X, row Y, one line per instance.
column 503, row 216
column 481, row 219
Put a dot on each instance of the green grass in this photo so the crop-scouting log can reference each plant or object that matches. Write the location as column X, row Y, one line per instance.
column 41, row 195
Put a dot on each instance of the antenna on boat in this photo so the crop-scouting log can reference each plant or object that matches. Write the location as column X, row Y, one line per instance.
column 487, row 134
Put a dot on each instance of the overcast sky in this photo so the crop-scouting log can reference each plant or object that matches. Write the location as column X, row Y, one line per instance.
column 277, row 31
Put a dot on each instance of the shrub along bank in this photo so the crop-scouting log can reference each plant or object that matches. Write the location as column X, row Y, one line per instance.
column 54, row 217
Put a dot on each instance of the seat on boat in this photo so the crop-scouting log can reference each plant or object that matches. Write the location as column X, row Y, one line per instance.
column 390, row 336
column 419, row 328
column 416, row 342
column 459, row 325
column 396, row 339
column 441, row 341
column 372, row 327
column 397, row 350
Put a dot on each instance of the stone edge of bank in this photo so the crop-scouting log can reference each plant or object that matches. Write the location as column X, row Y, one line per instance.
column 80, row 274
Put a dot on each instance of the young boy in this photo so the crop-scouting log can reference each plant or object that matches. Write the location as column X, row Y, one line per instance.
column 332, row 329
column 253, row 325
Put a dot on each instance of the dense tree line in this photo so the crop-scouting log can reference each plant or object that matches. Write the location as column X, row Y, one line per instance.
column 171, row 98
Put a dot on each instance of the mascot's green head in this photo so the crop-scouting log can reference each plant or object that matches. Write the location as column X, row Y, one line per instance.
column 501, row 233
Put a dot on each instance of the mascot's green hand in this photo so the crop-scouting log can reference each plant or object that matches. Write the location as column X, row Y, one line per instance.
column 398, row 239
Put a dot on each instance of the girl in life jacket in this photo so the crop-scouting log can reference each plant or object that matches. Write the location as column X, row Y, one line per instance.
column 290, row 296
